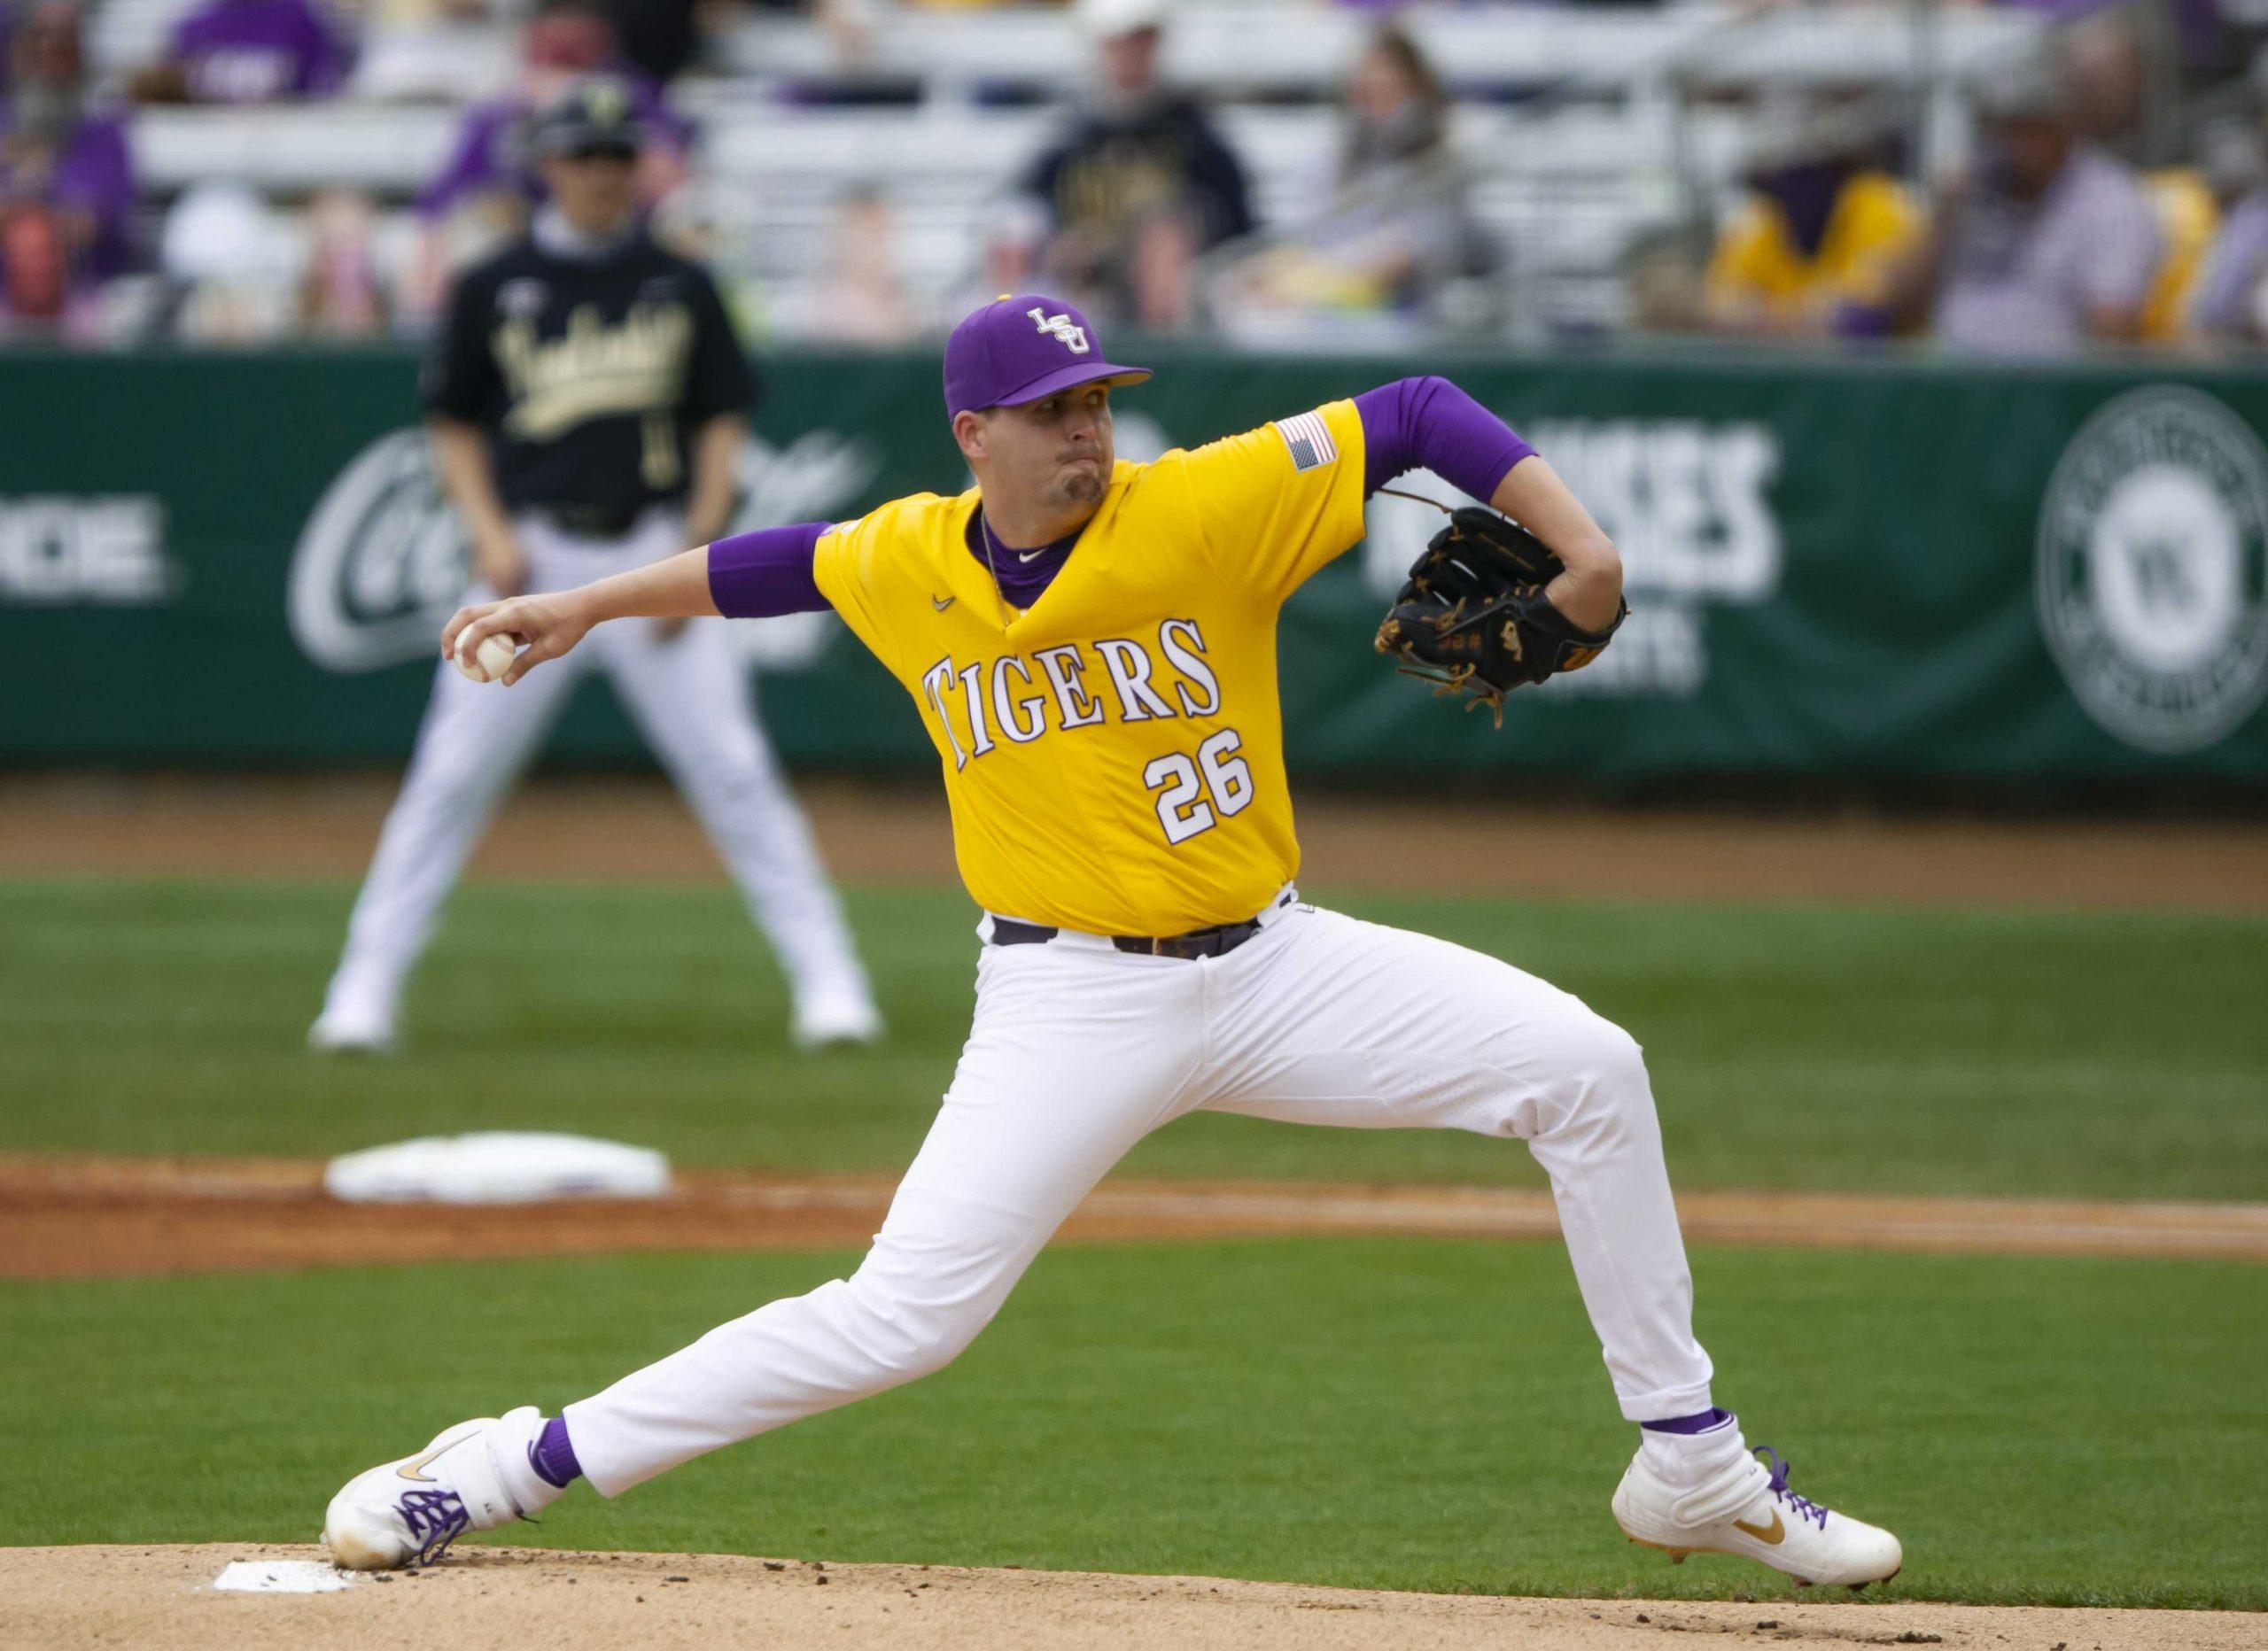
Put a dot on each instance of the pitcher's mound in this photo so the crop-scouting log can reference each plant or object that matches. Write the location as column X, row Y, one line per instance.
column 516, row 1597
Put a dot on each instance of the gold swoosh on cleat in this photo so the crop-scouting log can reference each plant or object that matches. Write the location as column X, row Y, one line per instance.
column 1771, row 1535
column 408, row 1469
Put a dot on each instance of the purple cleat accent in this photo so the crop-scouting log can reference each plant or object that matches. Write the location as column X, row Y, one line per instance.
column 553, row 1455
column 1700, row 1422
column 407, row 1512
column 1802, row 1507
column 435, row 1519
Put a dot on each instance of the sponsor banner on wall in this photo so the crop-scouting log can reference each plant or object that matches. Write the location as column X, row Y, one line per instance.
column 1869, row 570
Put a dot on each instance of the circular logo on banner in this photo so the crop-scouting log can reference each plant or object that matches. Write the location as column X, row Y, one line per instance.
column 2153, row 537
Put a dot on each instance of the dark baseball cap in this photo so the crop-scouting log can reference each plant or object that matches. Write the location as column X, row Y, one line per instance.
column 596, row 115
column 1024, row 348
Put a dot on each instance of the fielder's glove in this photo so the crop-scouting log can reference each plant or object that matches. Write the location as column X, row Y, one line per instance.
column 1473, row 617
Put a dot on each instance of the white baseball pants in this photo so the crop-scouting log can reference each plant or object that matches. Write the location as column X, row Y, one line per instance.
column 689, row 696
column 1078, row 1051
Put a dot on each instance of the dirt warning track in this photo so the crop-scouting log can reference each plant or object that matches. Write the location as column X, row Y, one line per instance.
column 515, row 1599
column 91, row 1217
column 303, row 825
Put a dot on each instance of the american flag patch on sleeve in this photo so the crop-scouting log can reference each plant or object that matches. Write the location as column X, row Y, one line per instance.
column 1308, row 439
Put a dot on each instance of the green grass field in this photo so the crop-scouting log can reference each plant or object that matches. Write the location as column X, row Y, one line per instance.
column 2119, row 1055
column 1391, row 1414
column 1408, row 1414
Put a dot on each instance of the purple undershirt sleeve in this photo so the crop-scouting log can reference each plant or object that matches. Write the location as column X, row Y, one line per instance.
column 1429, row 422
column 767, row 573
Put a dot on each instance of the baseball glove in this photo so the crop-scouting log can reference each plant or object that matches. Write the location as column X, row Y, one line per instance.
column 1472, row 615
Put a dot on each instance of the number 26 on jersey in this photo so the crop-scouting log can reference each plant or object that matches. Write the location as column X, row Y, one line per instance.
column 1194, row 795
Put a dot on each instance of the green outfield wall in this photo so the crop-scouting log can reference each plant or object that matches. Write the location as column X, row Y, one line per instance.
column 1850, row 571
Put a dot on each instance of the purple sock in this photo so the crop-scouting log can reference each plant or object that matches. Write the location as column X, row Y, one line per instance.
column 1716, row 1416
column 553, row 1454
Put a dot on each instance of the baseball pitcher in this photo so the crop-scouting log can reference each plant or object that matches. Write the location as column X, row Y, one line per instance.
column 1091, row 645
column 586, row 399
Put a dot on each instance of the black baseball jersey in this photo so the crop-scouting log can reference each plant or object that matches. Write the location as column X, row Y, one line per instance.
column 589, row 375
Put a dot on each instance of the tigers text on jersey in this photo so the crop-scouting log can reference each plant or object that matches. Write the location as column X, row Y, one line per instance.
column 1113, row 755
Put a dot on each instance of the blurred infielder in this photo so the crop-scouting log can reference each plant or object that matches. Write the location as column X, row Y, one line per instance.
column 585, row 400
column 1092, row 646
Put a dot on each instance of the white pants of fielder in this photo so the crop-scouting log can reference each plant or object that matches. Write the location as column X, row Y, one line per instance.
column 1078, row 1051
column 689, row 696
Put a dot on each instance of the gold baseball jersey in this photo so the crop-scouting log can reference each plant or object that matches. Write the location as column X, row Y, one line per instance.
column 1113, row 755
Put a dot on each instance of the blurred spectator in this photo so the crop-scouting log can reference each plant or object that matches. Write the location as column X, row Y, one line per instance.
column 1396, row 231
column 248, row 52
column 2213, row 40
column 2103, row 61
column 2186, row 215
column 1137, row 186
column 341, row 295
column 857, row 294
column 1812, row 251
column 1662, row 282
column 658, row 38
column 486, row 191
column 2048, row 246
column 228, row 258
column 2229, row 306
column 66, row 177
column 432, row 51
column 854, row 76
column 2123, row 60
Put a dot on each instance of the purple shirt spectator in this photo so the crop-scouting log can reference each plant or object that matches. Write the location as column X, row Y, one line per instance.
column 2232, row 298
column 92, row 173
column 2022, row 277
column 250, row 51
column 489, row 154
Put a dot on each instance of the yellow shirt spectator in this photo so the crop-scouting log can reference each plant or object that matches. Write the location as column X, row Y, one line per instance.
column 2187, row 219
column 1760, row 277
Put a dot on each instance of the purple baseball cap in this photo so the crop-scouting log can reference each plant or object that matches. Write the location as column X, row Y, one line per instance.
column 1024, row 348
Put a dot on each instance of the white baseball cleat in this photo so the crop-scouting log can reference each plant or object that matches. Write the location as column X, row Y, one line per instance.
column 1753, row 1513
column 338, row 1033
column 831, row 1022
column 408, row 1512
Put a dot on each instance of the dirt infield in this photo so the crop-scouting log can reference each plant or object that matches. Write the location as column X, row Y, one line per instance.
column 635, row 827
column 514, row 1599
column 93, row 1217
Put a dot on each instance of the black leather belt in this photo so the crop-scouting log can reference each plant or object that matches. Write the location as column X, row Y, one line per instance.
column 1216, row 942
column 592, row 521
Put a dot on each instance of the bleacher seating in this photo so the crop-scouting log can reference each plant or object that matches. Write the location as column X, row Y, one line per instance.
column 1239, row 51
column 1610, row 135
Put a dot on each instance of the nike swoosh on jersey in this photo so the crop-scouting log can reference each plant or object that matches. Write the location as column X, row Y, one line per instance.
column 941, row 604
column 1026, row 555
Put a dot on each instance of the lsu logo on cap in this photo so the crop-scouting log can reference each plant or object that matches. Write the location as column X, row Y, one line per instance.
column 1074, row 337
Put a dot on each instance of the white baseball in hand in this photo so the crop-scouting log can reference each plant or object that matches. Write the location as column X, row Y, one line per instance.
column 491, row 660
